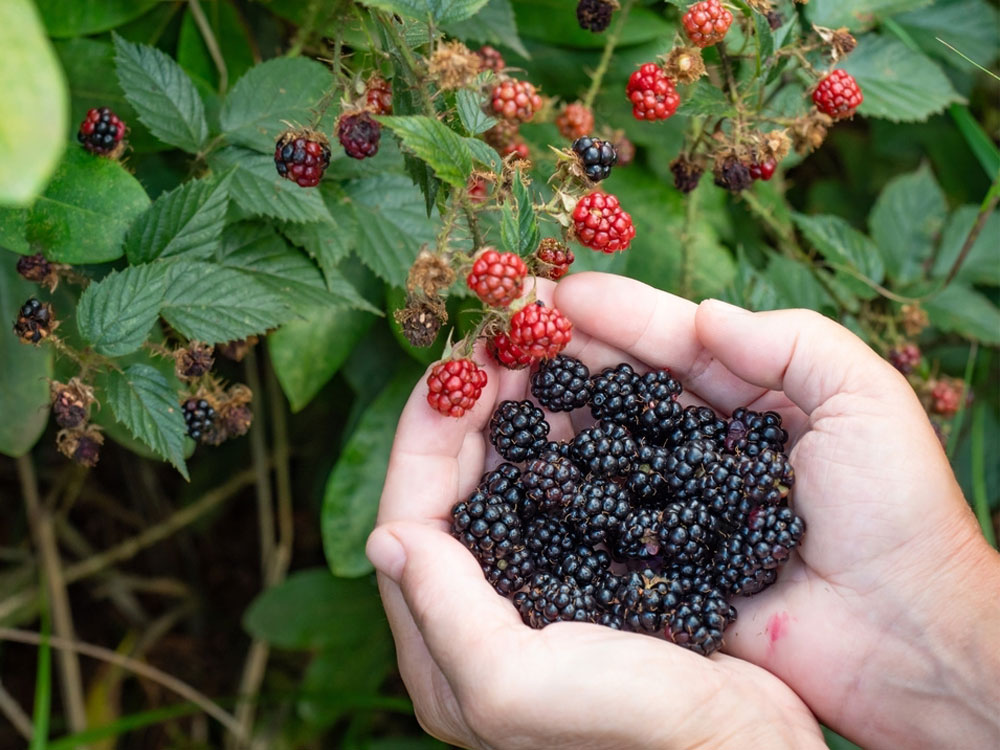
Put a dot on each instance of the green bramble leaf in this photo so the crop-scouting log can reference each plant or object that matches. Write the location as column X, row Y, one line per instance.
column 494, row 24
column 964, row 311
column 162, row 94
column 188, row 220
column 271, row 95
column 508, row 228
column 527, row 222
column 115, row 314
column 439, row 11
column 484, row 154
column 145, row 403
column 857, row 15
column 844, row 247
column 981, row 265
column 67, row 18
column 436, row 144
column 470, row 111
column 967, row 25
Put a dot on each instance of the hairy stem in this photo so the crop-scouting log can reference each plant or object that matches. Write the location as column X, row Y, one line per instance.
column 409, row 63
column 609, row 49
column 208, row 36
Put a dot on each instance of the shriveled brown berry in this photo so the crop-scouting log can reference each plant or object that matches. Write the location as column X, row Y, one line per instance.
column 687, row 173
column 36, row 268
column 430, row 274
column 421, row 320
column 193, row 360
column 71, row 402
column 809, row 131
column 81, row 444
column 732, row 174
column 453, row 65
column 684, row 64
column 237, row 350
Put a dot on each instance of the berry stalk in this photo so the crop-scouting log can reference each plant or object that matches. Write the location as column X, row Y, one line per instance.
column 609, row 50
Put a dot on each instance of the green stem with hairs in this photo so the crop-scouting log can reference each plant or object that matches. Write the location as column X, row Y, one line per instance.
column 609, row 49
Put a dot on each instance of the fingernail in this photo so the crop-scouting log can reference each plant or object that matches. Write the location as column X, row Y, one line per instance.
column 725, row 308
column 386, row 553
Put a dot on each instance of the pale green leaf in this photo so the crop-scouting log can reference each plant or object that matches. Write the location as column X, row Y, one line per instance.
column 115, row 314
column 434, row 143
column 470, row 111
column 844, row 247
column 494, row 24
column 961, row 310
column 857, row 15
column 65, row 18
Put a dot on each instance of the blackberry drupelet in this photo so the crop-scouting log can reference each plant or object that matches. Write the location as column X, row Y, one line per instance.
column 585, row 566
column 547, row 600
column 597, row 510
column 660, row 409
column 549, row 482
column 687, row 532
column 767, row 477
column 639, row 538
column 561, row 383
column 699, row 621
column 596, row 156
column 199, row 417
column 606, row 449
column 697, row 423
column 647, row 482
column 518, row 430
column 615, row 395
column 686, row 468
column 487, row 525
column 509, row 574
column 751, row 432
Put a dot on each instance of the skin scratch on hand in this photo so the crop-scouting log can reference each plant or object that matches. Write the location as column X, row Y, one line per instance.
column 777, row 626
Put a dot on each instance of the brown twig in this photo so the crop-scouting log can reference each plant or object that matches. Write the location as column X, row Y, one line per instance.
column 15, row 714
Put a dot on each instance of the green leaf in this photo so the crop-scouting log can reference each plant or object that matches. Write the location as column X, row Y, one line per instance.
column 65, row 18
column 844, row 247
column 905, row 221
column 508, row 228
column 143, row 401
column 470, row 112
column 86, row 209
column 392, row 224
column 494, row 24
column 551, row 21
column 795, row 285
column 982, row 264
column 34, row 101
column 704, row 99
column 898, row 83
column 186, row 221
column 115, row 314
column 350, row 501
column 857, row 14
column 13, row 230
column 232, row 35
column 279, row 91
column 215, row 304
column 24, row 370
column 440, row 11
column 527, row 222
column 961, row 310
column 326, row 242
column 967, row 25
column 258, row 190
column 162, row 94
column 436, row 144
column 484, row 154
column 313, row 609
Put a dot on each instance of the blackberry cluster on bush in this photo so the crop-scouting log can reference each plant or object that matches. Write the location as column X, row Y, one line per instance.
column 650, row 520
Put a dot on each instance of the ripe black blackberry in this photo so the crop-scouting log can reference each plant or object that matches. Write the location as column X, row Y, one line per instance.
column 359, row 134
column 561, row 383
column 639, row 538
column 647, row 482
column 518, row 430
column 686, row 468
column 597, row 510
column 660, row 409
column 509, row 574
column 504, row 481
column 751, row 432
column 647, row 598
column 563, row 448
column 487, row 525
column 737, row 571
column 687, row 532
column 722, row 490
column 549, row 540
column 584, row 565
column 604, row 450
column 697, row 423
column 767, row 477
column 615, row 395
column 594, row 15
column 699, row 621
column 596, row 156
column 772, row 533
column 549, row 482
column 547, row 599
column 199, row 416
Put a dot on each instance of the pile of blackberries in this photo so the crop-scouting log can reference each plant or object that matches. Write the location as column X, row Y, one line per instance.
column 651, row 520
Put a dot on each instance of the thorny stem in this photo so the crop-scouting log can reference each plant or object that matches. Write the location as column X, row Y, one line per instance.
column 609, row 50
column 985, row 211
column 472, row 221
column 208, row 36
column 409, row 62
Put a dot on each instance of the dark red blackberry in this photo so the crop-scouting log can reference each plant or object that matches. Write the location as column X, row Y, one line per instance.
column 660, row 409
column 359, row 134
column 518, row 430
column 647, row 482
column 509, row 574
column 584, row 565
column 751, row 432
column 699, row 621
column 302, row 157
column 772, row 533
column 561, row 383
column 604, row 450
column 199, row 416
column 594, row 15
column 615, row 395
column 767, row 477
column 596, row 156
column 101, row 131
column 647, row 598
column 686, row 468
column 549, row 482
column 487, row 525
column 547, row 600
column 697, row 423
column 549, row 540
column 597, row 510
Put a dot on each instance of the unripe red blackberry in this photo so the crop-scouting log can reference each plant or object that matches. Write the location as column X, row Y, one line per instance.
column 575, row 121
column 652, row 93
column 101, row 132
column 490, row 59
column 706, row 23
column 454, row 386
column 515, row 100
column 378, row 95
column 540, row 331
column 497, row 278
column 507, row 353
column 478, row 189
column 359, row 134
column 554, row 259
column 600, row 223
column 838, row 95
column 302, row 156
column 906, row 358
column 946, row 396
column 517, row 147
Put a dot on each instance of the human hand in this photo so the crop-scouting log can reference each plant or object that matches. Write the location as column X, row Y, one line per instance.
column 479, row 677
column 887, row 623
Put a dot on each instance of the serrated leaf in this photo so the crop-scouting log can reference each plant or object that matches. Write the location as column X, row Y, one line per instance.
column 982, row 264
column 844, row 247
column 436, row 144
column 350, row 500
column 115, row 314
column 35, row 104
column 905, row 221
column 705, row 99
column 484, row 154
column 967, row 25
column 258, row 190
column 65, row 18
column 795, row 285
column 326, row 242
column 857, row 14
column 24, row 370
column 551, row 21
column 494, row 24
column 214, row 303
column 276, row 92
column 898, row 83
column 162, row 94
column 85, row 210
column 470, row 111
column 440, row 11
column 392, row 224
column 762, row 30
column 13, row 230
column 966, row 312
column 508, row 228
column 188, row 220
column 143, row 401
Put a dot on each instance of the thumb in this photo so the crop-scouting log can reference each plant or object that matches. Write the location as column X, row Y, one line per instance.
column 808, row 356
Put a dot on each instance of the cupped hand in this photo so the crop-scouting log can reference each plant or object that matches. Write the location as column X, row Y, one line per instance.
column 477, row 675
